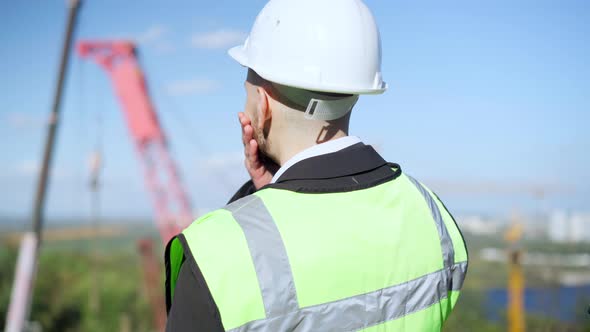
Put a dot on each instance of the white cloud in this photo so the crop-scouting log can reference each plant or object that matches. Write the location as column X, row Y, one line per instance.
column 164, row 47
column 154, row 33
column 30, row 169
column 223, row 161
column 222, row 38
column 27, row 167
column 220, row 174
column 197, row 86
column 155, row 37
column 537, row 190
column 22, row 120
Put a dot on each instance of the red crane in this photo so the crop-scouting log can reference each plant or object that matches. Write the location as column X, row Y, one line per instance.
column 170, row 201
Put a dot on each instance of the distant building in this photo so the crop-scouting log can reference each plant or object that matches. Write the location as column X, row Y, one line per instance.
column 558, row 227
column 536, row 226
column 565, row 227
column 580, row 227
column 477, row 225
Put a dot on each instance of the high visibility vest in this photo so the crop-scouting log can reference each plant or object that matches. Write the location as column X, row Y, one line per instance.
column 385, row 258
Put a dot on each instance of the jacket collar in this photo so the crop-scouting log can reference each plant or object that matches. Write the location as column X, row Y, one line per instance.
column 317, row 150
column 353, row 168
column 354, row 159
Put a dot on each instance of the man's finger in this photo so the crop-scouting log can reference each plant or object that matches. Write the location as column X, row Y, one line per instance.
column 247, row 134
column 244, row 120
column 253, row 153
column 251, row 160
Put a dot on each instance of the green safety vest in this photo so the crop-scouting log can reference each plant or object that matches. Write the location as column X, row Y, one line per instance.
column 385, row 258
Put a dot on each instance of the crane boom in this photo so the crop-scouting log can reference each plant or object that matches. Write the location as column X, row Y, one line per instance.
column 169, row 199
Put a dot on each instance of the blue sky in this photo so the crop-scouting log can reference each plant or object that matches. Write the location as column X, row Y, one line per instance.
column 483, row 94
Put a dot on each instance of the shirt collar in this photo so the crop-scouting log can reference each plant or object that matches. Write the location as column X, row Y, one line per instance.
column 317, row 150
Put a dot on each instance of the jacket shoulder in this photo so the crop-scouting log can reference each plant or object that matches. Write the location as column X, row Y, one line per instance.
column 218, row 245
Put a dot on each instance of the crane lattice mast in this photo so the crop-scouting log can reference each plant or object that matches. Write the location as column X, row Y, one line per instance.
column 170, row 201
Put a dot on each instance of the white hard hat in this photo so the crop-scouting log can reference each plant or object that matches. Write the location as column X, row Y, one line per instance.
column 320, row 45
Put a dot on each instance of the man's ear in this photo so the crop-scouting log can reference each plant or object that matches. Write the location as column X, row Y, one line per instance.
column 262, row 107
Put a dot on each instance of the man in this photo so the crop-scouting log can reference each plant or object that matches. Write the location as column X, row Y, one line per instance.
column 327, row 236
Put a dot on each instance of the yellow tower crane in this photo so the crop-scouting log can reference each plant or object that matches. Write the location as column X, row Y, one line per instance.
column 516, row 281
column 516, row 321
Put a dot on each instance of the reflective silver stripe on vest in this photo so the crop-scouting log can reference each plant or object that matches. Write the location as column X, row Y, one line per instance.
column 458, row 273
column 362, row 311
column 269, row 255
column 446, row 244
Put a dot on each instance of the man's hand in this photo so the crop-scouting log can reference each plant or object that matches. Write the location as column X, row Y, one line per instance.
column 260, row 168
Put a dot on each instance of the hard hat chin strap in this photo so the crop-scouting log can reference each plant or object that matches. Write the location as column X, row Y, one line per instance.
column 326, row 110
column 316, row 105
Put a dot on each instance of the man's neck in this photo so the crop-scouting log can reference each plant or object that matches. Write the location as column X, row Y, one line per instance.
column 291, row 147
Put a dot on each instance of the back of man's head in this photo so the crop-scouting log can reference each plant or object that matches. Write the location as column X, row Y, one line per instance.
column 285, row 117
column 323, row 106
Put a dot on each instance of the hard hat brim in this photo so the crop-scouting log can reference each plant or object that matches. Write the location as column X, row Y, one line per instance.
column 240, row 55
